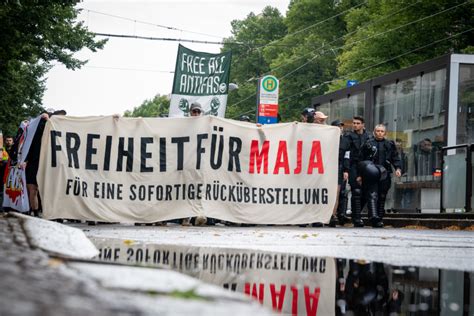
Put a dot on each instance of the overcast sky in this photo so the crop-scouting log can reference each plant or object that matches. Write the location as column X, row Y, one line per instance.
column 128, row 71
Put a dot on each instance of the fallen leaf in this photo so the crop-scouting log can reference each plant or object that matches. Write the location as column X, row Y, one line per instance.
column 128, row 242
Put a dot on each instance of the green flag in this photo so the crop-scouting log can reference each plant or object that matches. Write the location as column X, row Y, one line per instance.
column 200, row 77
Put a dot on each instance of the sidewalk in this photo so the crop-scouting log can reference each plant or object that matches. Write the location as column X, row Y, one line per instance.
column 36, row 282
column 443, row 249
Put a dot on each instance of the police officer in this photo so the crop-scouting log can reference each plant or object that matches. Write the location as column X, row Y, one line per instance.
column 386, row 156
column 370, row 175
column 353, row 142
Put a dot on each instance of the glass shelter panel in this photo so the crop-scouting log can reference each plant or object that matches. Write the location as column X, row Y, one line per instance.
column 454, row 182
column 413, row 112
column 345, row 109
column 465, row 130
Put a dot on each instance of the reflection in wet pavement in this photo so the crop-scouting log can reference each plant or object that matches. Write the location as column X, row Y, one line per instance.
column 304, row 285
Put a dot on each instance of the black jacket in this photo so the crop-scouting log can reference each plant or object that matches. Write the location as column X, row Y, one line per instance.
column 387, row 154
column 352, row 142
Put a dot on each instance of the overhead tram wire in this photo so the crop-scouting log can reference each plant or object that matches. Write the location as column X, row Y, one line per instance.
column 315, row 24
column 341, row 37
column 348, row 34
column 380, row 63
column 294, row 33
column 129, row 69
column 151, row 38
column 365, row 26
column 369, row 67
column 364, row 39
column 197, row 41
column 172, row 28
column 375, row 35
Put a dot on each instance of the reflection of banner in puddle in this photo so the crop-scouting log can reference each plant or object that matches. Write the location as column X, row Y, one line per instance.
column 290, row 283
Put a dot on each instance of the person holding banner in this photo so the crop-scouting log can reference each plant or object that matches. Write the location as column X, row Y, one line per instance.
column 32, row 162
column 320, row 118
column 196, row 110
column 32, row 165
column 307, row 115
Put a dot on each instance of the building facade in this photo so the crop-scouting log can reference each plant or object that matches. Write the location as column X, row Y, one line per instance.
column 425, row 107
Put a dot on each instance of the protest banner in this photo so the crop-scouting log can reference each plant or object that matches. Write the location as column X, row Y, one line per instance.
column 155, row 169
column 15, row 194
column 200, row 77
column 288, row 283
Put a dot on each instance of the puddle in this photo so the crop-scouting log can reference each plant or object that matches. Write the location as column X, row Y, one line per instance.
column 304, row 285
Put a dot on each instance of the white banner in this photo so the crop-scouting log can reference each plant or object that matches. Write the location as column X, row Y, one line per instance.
column 154, row 169
column 289, row 283
column 15, row 193
column 211, row 105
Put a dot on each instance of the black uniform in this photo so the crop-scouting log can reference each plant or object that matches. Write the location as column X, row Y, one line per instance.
column 342, row 204
column 386, row 156
column 352, row 144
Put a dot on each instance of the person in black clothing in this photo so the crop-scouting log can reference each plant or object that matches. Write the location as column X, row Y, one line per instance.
column 307, row 115
column 32, row 165
column 366, row 289
column 339, row 212
column 352, row 143
column 386, row 156
column 370, row 175
column 32, row 162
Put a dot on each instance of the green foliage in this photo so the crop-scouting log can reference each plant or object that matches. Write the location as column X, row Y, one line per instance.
column 248, row 60
column 321, row 44
column 33, row 34
column 158, row 106
column 309, row 61
column 386, row 31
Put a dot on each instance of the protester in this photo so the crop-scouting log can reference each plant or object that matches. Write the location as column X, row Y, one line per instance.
column 353, row 142
column 307, row 115
column 244, row 118
column 320, row 118
column 5, row 149
column 8, row 144
column 32, row 162
column 196, row 110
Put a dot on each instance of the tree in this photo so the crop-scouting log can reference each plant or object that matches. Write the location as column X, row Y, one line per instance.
column 248, row 61
column 306, row 57
column 32, row 35
column 390, row 35
column 158, row 106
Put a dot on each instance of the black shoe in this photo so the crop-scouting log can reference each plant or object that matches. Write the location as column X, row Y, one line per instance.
column 317, row 224
column 342, row 219
column 377, row 223
column 358, row 223
column 332, row 221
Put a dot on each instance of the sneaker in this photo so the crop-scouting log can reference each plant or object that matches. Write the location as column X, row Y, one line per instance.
column 200, row 221
column 186, row 221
